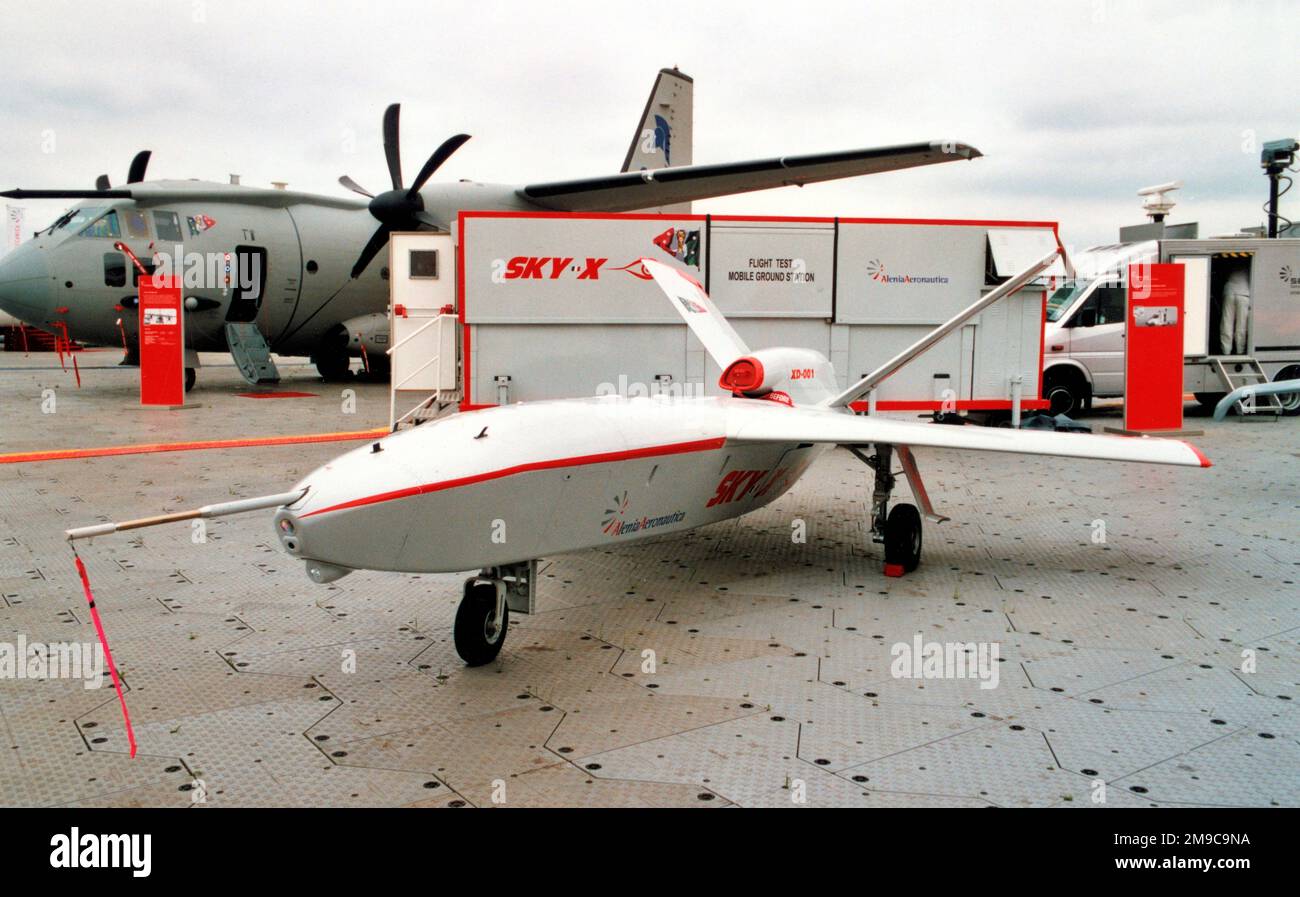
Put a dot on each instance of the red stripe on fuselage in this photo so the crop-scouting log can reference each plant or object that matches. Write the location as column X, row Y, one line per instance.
column 700, row 445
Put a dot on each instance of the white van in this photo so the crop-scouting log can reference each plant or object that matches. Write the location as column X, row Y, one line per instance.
column 1083, row 344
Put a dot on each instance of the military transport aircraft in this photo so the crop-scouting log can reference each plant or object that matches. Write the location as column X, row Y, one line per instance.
column 499, row 487
column 290, row 272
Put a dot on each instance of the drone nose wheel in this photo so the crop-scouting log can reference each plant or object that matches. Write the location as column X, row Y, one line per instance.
column 481, row 622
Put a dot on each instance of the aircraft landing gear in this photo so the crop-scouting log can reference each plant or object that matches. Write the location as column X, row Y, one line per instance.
column 903, row 538
column 481, row 622
column 333, row 367
column 899, row 530
column 484, row 612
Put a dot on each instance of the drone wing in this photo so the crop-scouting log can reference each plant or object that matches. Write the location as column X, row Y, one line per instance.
column 755, row 421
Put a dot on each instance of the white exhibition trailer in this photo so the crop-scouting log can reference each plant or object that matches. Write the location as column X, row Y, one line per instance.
column 519, row 306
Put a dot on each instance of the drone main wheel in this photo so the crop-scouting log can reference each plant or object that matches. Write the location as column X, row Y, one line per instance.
column 478, row 640
column 903, row 537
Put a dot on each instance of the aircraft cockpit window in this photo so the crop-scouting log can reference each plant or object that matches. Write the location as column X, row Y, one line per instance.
column 104, row 226
column 168, row 225
column 137, row 224
column 75, row 219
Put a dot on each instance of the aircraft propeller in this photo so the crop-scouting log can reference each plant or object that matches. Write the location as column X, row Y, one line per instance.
column 134, row 175
column 401, row 208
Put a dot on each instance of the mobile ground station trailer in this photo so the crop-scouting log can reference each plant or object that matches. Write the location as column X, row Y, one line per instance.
column 541, row 306
column 1085, row 330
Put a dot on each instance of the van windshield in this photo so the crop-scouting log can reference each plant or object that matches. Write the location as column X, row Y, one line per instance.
column 1064, row 297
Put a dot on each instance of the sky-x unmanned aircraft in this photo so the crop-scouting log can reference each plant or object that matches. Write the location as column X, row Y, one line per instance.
column 497, row 488
column 292, row 272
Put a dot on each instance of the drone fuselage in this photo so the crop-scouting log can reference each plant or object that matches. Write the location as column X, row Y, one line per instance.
column 508, row 484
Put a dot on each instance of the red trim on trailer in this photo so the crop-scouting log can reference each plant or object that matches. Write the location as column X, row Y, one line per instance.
column 654, row 451
column 790, row 219
column 898, row 405
column 961, row 405
column 465, row 379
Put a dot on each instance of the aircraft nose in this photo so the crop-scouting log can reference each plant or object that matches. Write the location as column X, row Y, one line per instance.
column 25, row 288
column 292, row 530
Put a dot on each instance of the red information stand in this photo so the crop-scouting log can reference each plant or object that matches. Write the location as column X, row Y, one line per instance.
column 1153, row 350
column 162, row 342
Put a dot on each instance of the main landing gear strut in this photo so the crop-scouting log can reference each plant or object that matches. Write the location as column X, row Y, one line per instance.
column 899, row 530
column 484, row 612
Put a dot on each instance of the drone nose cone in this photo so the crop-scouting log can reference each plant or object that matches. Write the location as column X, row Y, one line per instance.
column 25, row 288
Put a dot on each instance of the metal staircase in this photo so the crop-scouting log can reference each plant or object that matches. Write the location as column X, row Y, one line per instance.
column 1237, row 371
column 251, row 353
column 424, row 364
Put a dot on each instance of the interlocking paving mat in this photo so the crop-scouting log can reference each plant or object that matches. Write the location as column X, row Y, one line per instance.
column 729, row 666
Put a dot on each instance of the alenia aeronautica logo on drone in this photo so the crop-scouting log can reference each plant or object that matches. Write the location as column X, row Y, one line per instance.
column 614, row 523
column 877, row 272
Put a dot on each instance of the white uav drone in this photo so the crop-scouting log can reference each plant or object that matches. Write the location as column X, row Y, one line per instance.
column 559, row 476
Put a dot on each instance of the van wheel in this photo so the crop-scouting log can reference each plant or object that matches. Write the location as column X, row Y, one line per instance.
column 1065, row 390
column 1208, row 400
column 190, row 376
column 1290, row 400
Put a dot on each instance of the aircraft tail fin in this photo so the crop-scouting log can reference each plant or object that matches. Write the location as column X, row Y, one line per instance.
column 686, row 294
column 663, row 136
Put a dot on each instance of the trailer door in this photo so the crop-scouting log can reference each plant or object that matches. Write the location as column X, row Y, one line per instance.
column 1196, row 304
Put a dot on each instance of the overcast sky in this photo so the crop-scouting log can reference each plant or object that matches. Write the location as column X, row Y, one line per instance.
column 1075, row 105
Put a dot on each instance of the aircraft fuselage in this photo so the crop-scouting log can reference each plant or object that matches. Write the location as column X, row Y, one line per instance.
column 304, row 250
column 508, row 484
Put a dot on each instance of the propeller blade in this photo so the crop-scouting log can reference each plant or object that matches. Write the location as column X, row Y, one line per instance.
column 138, row 166
column 427, row 220
column 392, row 151
column 440, row 155
column 378, row 240
column 355, row 187
column 102, row 182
